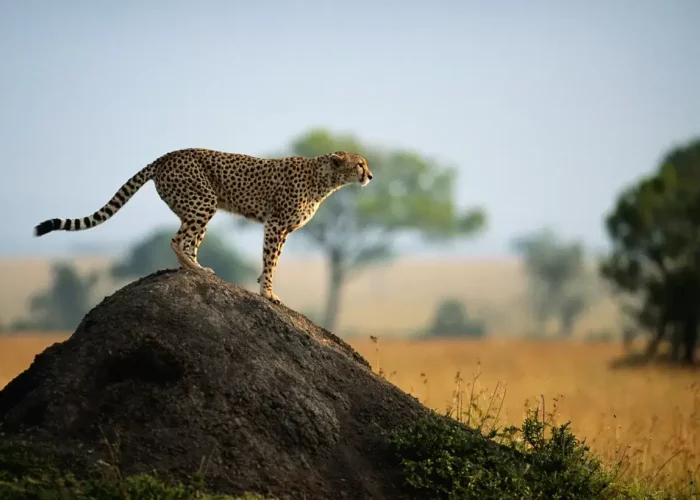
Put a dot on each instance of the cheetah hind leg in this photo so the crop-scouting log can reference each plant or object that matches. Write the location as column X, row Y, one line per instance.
column 192, row 250
column 180, row 198
column 190, row 254
column 186, row 261
column 185, row 242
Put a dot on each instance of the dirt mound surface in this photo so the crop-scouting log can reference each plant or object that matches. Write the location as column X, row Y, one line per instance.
column 179, row 368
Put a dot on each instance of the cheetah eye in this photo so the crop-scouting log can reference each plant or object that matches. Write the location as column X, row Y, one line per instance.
column 359, row 167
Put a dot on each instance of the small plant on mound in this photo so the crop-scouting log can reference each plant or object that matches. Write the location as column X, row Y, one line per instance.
column 443, row 457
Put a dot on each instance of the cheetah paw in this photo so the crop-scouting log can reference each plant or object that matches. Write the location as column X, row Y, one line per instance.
column 269, row 295
column 208, row 270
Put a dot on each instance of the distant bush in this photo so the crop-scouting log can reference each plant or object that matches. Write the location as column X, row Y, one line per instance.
column 451, row 320
column 600, row 336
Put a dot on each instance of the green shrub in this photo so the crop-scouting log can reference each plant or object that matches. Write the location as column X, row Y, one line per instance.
column 442, row 458
column 24, row 476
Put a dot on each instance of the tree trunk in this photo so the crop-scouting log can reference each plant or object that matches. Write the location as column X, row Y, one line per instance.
column 566, row 329
column 336, row 279
column 677, row 341
column 567, row 321
column 690, row 338
column 660, row 333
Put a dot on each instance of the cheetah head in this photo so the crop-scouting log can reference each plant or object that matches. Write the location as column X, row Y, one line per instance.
column 350, row 168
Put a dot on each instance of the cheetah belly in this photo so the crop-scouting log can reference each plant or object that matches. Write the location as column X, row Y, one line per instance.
column 245, row 210
column 241, row 201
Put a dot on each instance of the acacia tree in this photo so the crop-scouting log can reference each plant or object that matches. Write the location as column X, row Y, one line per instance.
column 357, row 227
column 655, row 258
column 559, row 282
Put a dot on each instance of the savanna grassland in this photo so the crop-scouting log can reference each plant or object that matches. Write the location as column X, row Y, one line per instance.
column 396, row 299
column 648, row 419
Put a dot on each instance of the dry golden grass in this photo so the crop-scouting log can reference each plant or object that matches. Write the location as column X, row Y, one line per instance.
column 647, row 418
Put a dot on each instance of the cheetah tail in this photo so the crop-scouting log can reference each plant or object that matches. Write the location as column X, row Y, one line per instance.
column 103, row 214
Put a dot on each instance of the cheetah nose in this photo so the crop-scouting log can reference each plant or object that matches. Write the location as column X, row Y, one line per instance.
column 369, row 176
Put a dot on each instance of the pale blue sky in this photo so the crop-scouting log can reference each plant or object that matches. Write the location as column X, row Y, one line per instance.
column 548, row 108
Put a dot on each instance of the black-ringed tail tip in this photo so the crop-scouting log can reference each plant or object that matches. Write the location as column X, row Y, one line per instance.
column 70, row 224
column 47, row 226
column 103, row 214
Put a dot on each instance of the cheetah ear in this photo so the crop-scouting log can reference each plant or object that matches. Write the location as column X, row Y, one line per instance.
column 336, row 159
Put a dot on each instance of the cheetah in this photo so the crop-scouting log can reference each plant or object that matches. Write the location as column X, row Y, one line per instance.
column 283, row 194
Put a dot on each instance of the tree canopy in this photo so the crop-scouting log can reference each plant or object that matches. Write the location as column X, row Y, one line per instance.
column 654, row 228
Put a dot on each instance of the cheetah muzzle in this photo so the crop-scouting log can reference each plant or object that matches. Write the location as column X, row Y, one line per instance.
column 283, row 194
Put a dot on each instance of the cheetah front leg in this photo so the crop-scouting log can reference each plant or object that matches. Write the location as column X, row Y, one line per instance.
column 274, row 239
